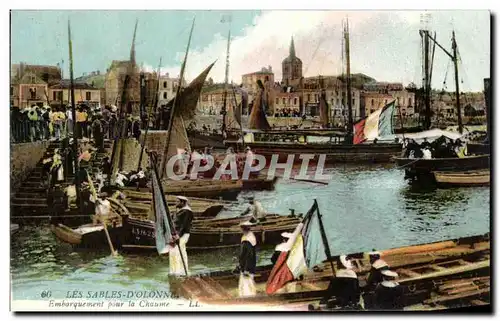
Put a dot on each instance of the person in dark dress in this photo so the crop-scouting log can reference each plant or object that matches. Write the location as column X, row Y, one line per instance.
column 378, row 265
column 88, row 204
column 183, row 220
column 136, row 128
column 106, row 167
column 388, row 293
column 247, row 261
column 97, row 131
column 47, row 165
column 343, row 291
column 57, row 200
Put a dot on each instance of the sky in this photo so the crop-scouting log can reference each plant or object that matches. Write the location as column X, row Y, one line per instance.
column 383, row 44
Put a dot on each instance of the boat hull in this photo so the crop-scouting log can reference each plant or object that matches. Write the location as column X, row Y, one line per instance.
column 334, row 153
column 462, row 179
column 423, row 270
column 141, row 235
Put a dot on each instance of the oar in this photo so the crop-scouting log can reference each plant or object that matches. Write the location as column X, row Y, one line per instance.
column 94, row 193
column 309, row 181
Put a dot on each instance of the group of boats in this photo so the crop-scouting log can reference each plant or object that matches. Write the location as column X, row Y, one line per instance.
column 434, row 275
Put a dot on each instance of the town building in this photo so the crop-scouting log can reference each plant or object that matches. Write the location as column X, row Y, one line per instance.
column 27, row 91
column 212, row 99
column 114, row 83
column 291, row 67
column 95, row 79
column 29, row 84
column 60, row 94
column 287, row 104
column 249, row 81
column 168, row 89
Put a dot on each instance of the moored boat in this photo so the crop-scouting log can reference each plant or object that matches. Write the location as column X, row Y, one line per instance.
column 421, row 169
column 142, row 234
column 334, row 153
column 462, row 179
column 433, row 272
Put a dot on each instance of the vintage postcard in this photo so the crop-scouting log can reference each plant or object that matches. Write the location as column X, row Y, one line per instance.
column 250, row 160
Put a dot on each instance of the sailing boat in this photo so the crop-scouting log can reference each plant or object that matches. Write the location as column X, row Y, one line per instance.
column 422, row 169
column 348, row 151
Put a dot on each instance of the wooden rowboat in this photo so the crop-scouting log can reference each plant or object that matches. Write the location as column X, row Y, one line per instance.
column 427, row 272
column 259, row 183
column 444, row 164
column 206, row 188
column 141, row 234
column 139, row 204
column 462, row 179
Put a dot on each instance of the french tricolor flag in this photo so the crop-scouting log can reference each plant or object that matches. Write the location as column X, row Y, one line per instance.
column 377, row 124
column 298, row 254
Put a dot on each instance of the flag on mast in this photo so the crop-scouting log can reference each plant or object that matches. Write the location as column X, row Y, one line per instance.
column 377, row 124
column 302, row 251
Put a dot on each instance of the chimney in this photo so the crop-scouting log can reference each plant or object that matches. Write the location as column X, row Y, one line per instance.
column 98, row 72
column 270, row 69
column 168, row 76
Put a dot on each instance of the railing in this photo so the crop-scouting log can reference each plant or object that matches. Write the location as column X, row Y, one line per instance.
column 26, row 131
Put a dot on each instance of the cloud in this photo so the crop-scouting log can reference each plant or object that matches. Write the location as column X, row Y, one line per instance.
column 384, row 45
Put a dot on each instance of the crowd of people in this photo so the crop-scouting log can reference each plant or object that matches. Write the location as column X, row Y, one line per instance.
column 288, row 112
column 443, row 147
column 37, row 123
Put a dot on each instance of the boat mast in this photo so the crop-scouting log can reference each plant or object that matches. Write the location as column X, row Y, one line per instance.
column 454, row 57
column 172, row 110
column 73, row 114
column 457, row 88
column 153, row 106
column 226, row 80
column 349, row 137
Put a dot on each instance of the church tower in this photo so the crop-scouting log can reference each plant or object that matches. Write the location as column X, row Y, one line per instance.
column 291, row 66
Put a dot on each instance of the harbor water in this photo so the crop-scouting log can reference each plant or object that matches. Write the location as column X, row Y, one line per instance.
column 363, row 207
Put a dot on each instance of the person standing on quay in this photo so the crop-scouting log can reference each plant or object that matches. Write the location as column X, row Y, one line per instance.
column 247, row 261
column 182, row 221
column 98, row 134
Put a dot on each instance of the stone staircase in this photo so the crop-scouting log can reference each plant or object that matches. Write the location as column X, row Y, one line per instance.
column 30, row 198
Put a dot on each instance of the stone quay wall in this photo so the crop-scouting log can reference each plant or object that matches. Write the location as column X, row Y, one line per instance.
column 23, row 159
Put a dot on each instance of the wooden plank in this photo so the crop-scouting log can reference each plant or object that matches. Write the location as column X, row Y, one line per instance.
column 445, row 298
column 478, row 302
column 409, row 272
column 456, row 270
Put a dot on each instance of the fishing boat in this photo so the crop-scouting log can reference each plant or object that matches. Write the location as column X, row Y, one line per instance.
column 444, row 164
column 139, row 202
column 333, row 153
column 205, row 236
column 259, row 183
column 439, row 273
column 93, row 235
column 462, row 179
column 204, row 188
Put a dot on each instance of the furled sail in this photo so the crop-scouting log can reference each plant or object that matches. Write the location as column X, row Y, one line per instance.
column 163, row 223
column 258, row 119
column 323, row 110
